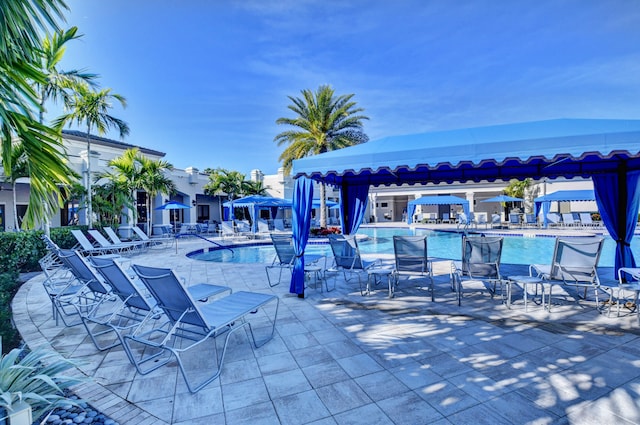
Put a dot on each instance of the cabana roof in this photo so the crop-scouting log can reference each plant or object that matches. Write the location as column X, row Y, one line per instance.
column 553, row 148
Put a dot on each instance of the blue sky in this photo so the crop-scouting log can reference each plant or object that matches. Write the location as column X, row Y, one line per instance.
column 205, row 80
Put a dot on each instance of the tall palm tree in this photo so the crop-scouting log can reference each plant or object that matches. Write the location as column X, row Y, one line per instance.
column 224, row 181
column 254, row 188
column 154, row 181
column 20, row 53
column 324, row 123
column 91, row 108
column 59, row 84
column 125, row 173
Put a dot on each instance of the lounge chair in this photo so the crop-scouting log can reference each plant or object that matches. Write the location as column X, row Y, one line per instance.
column 496, row 221
column 285, row 256
column 91, row 291
column 463, row 221
column 162, row 240
column 574, row 264
column 122, row 248
column 190, row 324
column 263, row 227
column 411, row 260
column 481, row 218
column 530, row 220
column 587, row 221
column 60, row 285
column 569, row 221
column 137, row 244
column 227, row 229
column 88, row 248
column 480, row 261
column 514, row 221
column 554, row 219
column 628, row 282
column 347, row 259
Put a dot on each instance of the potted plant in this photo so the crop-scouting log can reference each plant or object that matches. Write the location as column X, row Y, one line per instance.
column 32, row 383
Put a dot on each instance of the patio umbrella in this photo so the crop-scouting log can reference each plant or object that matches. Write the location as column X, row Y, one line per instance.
column 173, row 205
column 503, row 198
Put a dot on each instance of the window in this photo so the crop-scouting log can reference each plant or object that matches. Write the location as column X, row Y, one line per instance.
column 203, row 213
column 384, row 204
column 141, row 207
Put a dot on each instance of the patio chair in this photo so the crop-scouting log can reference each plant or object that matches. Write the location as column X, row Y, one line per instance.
column 496, row 221
column 227, row 229
column 263, row 227
column 159, row 241
column 574, row 264
column 569, row 221
column 134, row 308
column 60, row 284
column 463, row 221
column 628, row 282
column 285, row 256
column 410, row 253
column 554, row 219
column 530, row 220
column 191, row 324
column 88, row 248
column 347, row 259
column 136, row 244
column 90, row 294
column 587, row 221
column 514, row 221
column 480, row 261
column 481, row 218
column 122, row 248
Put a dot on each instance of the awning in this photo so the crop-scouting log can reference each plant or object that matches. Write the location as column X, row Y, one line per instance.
column 436, row 200
column 608, row 151
column 544, row 202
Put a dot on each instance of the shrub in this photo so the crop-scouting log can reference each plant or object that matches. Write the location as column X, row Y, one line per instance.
column 8, row 287
column 36, row 378
column 324, row 231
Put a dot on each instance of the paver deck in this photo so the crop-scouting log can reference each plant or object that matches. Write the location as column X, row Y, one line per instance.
column 341, row 358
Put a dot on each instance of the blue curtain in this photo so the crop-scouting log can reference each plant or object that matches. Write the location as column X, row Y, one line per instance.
column 618, row 199
column 274, row 212
column 301, row 223
column 353, row 206
column 411, row 210
column 546, row 206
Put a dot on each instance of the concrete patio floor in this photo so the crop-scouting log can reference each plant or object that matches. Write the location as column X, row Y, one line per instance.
column 341, row 358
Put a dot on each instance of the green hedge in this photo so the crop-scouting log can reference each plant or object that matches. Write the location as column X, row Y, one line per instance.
column 19, row 253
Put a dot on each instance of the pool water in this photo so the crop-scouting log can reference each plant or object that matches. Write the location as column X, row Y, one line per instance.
column 445, row 245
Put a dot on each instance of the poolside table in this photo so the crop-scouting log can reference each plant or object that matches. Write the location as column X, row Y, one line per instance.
column 524, row 280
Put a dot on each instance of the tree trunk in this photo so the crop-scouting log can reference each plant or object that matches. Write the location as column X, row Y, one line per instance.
column 323, row 205
column 15, row 207
column 89, row 207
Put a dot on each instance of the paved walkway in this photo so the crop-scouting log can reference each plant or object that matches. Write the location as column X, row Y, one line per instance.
column 340, row 358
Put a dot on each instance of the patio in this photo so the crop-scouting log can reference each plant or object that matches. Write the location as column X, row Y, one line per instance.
column 340, row 358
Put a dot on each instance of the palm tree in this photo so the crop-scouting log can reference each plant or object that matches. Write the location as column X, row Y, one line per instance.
column 20, row 54
column 225, row 181
column 154, row 181
column 90, row 107
column 59, row 83
column 254, row 188
column 125, row 175
column 324, row 123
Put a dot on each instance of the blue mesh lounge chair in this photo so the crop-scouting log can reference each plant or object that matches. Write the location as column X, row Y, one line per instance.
column 190, row 324
column 480, row 261
column 411, row 258
column 574, row 264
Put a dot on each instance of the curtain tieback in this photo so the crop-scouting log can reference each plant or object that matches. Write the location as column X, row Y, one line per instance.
column 623, row 242
column 301, row 255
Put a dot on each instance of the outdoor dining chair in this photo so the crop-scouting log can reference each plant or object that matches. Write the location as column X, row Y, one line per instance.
column 574, row 264
column 285, row 256
column 190, row 324
column 480, row 261
column 347, row 259
column 411, row 260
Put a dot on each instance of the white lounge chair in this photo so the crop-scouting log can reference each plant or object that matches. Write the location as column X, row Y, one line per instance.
column 569, row 221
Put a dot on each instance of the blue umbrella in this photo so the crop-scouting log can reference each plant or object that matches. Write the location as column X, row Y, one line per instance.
column 173, row 205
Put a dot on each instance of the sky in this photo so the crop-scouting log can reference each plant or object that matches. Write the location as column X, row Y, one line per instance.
column 206, row 80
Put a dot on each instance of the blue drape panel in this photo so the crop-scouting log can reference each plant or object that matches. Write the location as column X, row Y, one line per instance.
column 301, row 223
column 618, row 199
column 411, row 210
column 274, row 212
column 353, row 206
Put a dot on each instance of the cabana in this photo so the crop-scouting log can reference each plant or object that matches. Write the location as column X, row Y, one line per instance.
column 545, row 201
column 608, row 151
column 255, row 203
column 436, row 200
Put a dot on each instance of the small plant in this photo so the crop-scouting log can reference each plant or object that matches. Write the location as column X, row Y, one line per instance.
column 324, row 231
column 36, row 378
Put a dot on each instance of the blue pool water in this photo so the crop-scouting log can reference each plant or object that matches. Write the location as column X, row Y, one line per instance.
column 446, row 245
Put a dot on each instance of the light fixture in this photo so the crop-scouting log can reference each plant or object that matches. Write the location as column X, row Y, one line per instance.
column 193, row 202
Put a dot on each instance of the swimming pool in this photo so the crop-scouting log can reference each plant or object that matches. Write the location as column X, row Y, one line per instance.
column 446, row 245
